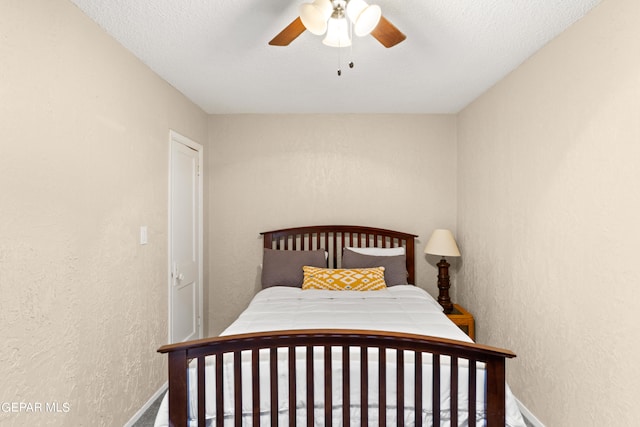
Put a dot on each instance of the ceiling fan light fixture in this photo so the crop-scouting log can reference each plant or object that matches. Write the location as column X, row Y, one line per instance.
column 314, row 16
column 362, row 18
column 337, row 33
column 365, row 17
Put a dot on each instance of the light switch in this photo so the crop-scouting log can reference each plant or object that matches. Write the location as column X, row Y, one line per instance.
column 143, row 235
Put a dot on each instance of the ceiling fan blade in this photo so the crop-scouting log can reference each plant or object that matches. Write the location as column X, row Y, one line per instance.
column 387, row 33
column 289, row 34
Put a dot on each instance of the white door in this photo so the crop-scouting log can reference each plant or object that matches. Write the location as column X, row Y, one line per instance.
column 185, row 239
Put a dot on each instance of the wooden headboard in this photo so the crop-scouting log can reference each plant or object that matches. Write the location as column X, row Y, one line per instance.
column 333, row 238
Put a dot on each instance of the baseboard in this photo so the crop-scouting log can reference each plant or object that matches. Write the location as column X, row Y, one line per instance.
column 529, row 417
column 146, row 406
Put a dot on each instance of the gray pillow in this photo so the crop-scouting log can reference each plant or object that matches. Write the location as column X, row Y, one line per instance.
column 284, row 268
column 395, row 267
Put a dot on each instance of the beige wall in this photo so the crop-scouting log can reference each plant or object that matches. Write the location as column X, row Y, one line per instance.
column 83, row 163
column 548, row 209
column 275, row 171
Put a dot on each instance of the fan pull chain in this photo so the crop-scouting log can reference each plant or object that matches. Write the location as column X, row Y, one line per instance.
column 351, row 46
column 351, row 64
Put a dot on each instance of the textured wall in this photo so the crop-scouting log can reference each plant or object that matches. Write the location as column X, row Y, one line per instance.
column 275, row 171
column 83, row 163
column 548, row 209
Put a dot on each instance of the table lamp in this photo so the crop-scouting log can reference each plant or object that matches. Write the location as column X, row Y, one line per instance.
column 443, row 244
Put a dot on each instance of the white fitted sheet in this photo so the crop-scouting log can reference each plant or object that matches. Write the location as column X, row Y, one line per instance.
column 396, row 309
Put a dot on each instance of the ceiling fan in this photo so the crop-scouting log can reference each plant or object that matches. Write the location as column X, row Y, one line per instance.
column 333, row 18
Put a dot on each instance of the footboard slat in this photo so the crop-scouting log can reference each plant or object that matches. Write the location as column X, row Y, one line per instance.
column 425, row 350
column 472, row 392
column 310, row 387
column 418, row 387
column 273, row 382
column 328, row 396
column 292, row 385
column 400, row 387
column 454, row 391
column 237, row 387
column 255, row 386
column 435, row 389
column 346, row 386
column 219, row 392
column 364, row 386
column 382, row 386
column 201, row 392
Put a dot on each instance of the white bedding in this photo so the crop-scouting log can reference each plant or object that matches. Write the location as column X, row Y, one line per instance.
column 396, row 309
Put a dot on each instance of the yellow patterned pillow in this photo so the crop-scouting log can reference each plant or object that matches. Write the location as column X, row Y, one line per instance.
column 355, row 279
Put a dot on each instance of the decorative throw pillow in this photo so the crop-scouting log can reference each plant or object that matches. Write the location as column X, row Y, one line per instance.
column 378, row 251
column 284, row 268
column 395, row 267
column 342, row 279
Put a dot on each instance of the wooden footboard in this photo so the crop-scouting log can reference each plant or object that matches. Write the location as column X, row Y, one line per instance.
column 456, row 355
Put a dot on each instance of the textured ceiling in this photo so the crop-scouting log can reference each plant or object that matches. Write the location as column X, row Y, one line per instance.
column 216, row 52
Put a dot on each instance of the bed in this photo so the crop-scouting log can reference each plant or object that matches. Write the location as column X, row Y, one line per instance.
column 318, row 356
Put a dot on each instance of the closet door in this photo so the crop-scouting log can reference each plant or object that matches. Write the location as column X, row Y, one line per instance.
column 185, row 240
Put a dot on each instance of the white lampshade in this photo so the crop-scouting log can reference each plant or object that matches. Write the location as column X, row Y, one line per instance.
column 442, row 243
column 314, row 16
column 337, row 33
column 364, row 17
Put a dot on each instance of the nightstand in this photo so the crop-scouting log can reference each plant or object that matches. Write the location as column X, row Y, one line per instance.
column 464, row 320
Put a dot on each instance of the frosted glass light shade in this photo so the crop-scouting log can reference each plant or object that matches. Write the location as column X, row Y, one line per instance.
column 314, row 16
column 442, row 243
column 337, row 33
column 364, row 17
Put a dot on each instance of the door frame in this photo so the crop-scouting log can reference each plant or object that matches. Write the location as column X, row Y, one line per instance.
column 175, row 137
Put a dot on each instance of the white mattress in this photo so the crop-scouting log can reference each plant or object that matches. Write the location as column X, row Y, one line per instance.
column 395, row 309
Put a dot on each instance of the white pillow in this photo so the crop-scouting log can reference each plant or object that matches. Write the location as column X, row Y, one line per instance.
column 379, row 251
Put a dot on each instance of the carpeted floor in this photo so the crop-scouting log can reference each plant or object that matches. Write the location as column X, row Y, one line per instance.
column 148, row 418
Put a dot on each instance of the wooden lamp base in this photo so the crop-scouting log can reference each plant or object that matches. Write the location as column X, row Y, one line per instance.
column 444, row 285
